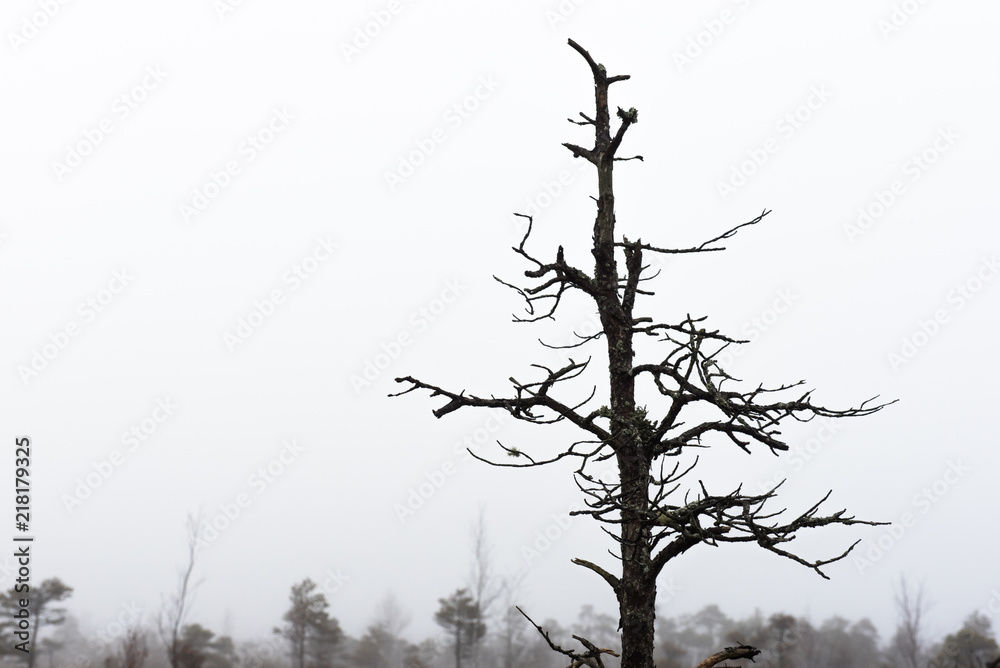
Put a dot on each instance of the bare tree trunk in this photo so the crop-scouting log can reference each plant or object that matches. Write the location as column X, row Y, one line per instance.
column 638, row 582
column 133, row 651
column 175, row 611
column 910, row 606
column 392, row 619
column 650, row 525
column 637, row 593
column 482, row 582
column 510, row 635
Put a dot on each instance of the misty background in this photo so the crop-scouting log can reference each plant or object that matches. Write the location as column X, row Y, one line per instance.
column 227, row 227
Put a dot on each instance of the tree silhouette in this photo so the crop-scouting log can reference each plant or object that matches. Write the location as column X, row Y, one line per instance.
column 310, row 631
column 646, row 505
column 973, row 646
column 27, row 621
column 462, row 620
column 176, row 609
column 782, row 632
column 200, row 648
column 911, row 609
column 374, row 649
column 133, row 651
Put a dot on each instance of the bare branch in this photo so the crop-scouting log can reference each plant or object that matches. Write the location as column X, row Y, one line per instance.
column 558, row 277
column 705, row 246
column 529, row 396
column 175, row 610
column 598, row 70
column 592, row 658
column 911, row 608
column 739, row 518
column 730, row 653
column 608, row 577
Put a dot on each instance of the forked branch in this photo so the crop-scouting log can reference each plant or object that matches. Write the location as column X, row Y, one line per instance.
column 591, row 658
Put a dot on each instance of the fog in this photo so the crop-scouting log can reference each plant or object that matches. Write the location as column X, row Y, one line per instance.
column 228, row 226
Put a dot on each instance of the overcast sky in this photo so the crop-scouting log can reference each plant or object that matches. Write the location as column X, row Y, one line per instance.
column 227, row 226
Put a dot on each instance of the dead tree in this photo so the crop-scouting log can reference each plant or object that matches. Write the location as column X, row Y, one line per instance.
column 643, row 505
column 911, row 609
column 175, row 610
column 132, row 651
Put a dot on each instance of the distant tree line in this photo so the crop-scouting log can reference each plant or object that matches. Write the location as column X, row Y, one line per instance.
column 479, row 632
column 480, row 627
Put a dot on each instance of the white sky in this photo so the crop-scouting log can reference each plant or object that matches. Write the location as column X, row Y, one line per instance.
column 839, row 102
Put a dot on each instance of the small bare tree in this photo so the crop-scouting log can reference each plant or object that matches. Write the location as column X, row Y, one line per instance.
column 648, row 507
column 175, row 609
column 132, row 651
column 385, row 634
column 511, row 625
column 910, row 608
column 391, row 617
column 483, row 582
